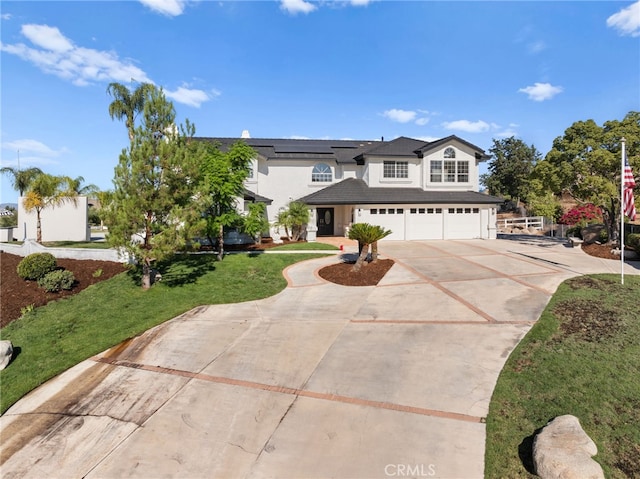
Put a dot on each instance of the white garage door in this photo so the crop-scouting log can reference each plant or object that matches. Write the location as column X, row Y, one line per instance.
column 389, row 218
column 424, row 223
column 462, row 223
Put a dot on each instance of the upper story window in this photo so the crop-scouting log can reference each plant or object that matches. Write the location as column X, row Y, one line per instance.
column 395, row 169
column 449, row 171
column 252, row 170
column 321, row 173
column 449, row 153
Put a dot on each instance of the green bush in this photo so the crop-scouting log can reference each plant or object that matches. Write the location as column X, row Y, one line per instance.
column 575, row 231
column 603, row 236
column 57, row 280
column 633, row 241
column 36, row 265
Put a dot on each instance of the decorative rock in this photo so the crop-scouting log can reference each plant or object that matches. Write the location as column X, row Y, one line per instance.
column 6, row 353
column 591, row 233
column 562, row 450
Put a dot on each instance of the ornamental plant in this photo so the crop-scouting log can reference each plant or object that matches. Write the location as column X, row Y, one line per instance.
column 582, row 215
column 36, row 265
column 57, row 280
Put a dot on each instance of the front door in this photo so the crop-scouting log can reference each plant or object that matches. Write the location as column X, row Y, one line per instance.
column 325, row 221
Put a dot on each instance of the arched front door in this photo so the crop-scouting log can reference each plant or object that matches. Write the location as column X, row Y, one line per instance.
column 325, row 221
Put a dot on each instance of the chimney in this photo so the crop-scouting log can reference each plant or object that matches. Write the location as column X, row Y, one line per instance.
column 245, row 134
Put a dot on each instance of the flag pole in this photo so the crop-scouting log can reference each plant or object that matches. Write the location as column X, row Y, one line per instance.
column 623, row 141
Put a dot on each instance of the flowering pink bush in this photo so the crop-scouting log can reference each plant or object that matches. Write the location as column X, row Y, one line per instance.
column 584, row 214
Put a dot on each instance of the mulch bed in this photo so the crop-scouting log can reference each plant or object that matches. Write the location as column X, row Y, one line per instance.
column 16, row 293
column 369, row 275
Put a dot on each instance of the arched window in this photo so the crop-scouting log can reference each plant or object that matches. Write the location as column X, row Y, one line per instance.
column 449, row 153
column 321, row 173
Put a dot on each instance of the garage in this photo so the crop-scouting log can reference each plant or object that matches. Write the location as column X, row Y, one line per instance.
column 426, row 222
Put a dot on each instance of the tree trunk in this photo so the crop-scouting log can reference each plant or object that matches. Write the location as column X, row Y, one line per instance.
column 374, row 251
column 146, row 275
column 220, row 243
column 362, row 257
column 38, row 227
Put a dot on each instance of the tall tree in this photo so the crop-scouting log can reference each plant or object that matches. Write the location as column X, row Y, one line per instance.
column 586, row 161
column 509, row 170
column 127, row 104
column 22, row 179
column 151, row 213
column 223, row 176
column 46, row 191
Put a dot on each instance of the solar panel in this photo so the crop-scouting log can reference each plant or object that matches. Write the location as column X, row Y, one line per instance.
column 302, row 149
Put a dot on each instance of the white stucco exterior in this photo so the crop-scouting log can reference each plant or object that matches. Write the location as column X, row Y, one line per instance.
column 68, row 221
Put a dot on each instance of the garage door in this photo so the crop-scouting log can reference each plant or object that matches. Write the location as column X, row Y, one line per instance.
column 424, row 223
column 389, row 218
column 462, row 223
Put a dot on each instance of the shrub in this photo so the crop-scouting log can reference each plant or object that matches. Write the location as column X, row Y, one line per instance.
column 575, row 232
column 36, row 265
column 633, row 241
column 55, row 281
column 581, row 215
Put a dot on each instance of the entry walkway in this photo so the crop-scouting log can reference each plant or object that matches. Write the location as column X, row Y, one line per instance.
column 318, row 381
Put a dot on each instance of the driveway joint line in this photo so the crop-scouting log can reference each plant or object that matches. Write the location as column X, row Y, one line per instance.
column 294, row 391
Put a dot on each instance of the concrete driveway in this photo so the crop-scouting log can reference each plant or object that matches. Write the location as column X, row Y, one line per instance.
column 318, row 381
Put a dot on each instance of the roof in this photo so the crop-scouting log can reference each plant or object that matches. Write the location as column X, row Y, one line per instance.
column 354, row 191
column 255, row 197
column 341, row 151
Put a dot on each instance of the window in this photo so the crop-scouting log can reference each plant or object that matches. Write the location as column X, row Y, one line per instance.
column 449, row 171
column 467, row 210
column 452, row 211
column 321, row 173
column 438, row 210
column 421, row 211
column 449, row 153
column 463, row 172
column 374, row 211
column 429, row 211
column 400, row 211
column 454, row 171
column 383, row 211
column 391, row 211
column 395, row 169
column 414, row 211
column 476, row 210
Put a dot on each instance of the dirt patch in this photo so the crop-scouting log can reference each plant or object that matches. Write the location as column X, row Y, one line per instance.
column 369, row 275
column 600, row 251
column 587, row 320
column 16, row 293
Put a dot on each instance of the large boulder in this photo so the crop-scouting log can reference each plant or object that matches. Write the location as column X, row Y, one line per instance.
column 562, row 450
column 6, row 353
column 591, row 233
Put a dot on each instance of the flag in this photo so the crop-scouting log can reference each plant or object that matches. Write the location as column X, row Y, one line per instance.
column 628, row 204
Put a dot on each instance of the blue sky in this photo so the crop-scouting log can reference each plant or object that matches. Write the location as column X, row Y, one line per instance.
column 295, row 69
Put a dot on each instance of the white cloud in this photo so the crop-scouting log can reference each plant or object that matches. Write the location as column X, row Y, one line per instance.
column 400, row 116
column 536, row 47
column 47, row 37
column 541, row 91
column 297, row 6
column 170, row 8
column 422, row 121
column 57, row 55
column 6, row 16
column 31, row 146
column 360, row 3
column 31, row 153
column 427, row 139
column 188, row 96
column 467, row 126
column 627, row 20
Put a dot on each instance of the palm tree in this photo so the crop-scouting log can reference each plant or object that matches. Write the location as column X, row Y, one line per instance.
column 74, row 185
column 46, row 190
column 366, row 235
column 127, row 104
column 22, row 179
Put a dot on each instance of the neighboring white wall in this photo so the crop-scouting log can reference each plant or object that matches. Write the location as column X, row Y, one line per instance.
column 68, row 221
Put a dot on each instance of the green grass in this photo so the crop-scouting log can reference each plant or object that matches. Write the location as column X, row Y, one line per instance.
column 77, row 244
column 303, row 246
column 55, row 337
column 581, row 358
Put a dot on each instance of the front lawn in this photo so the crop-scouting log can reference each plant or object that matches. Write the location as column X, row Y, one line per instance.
column 55, row 337
column 581, row 358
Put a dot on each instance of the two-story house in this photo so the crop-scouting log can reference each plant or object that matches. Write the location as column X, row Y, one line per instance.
column 417, row 189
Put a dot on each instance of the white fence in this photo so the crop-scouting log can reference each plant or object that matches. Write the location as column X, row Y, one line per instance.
column 536, row 222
